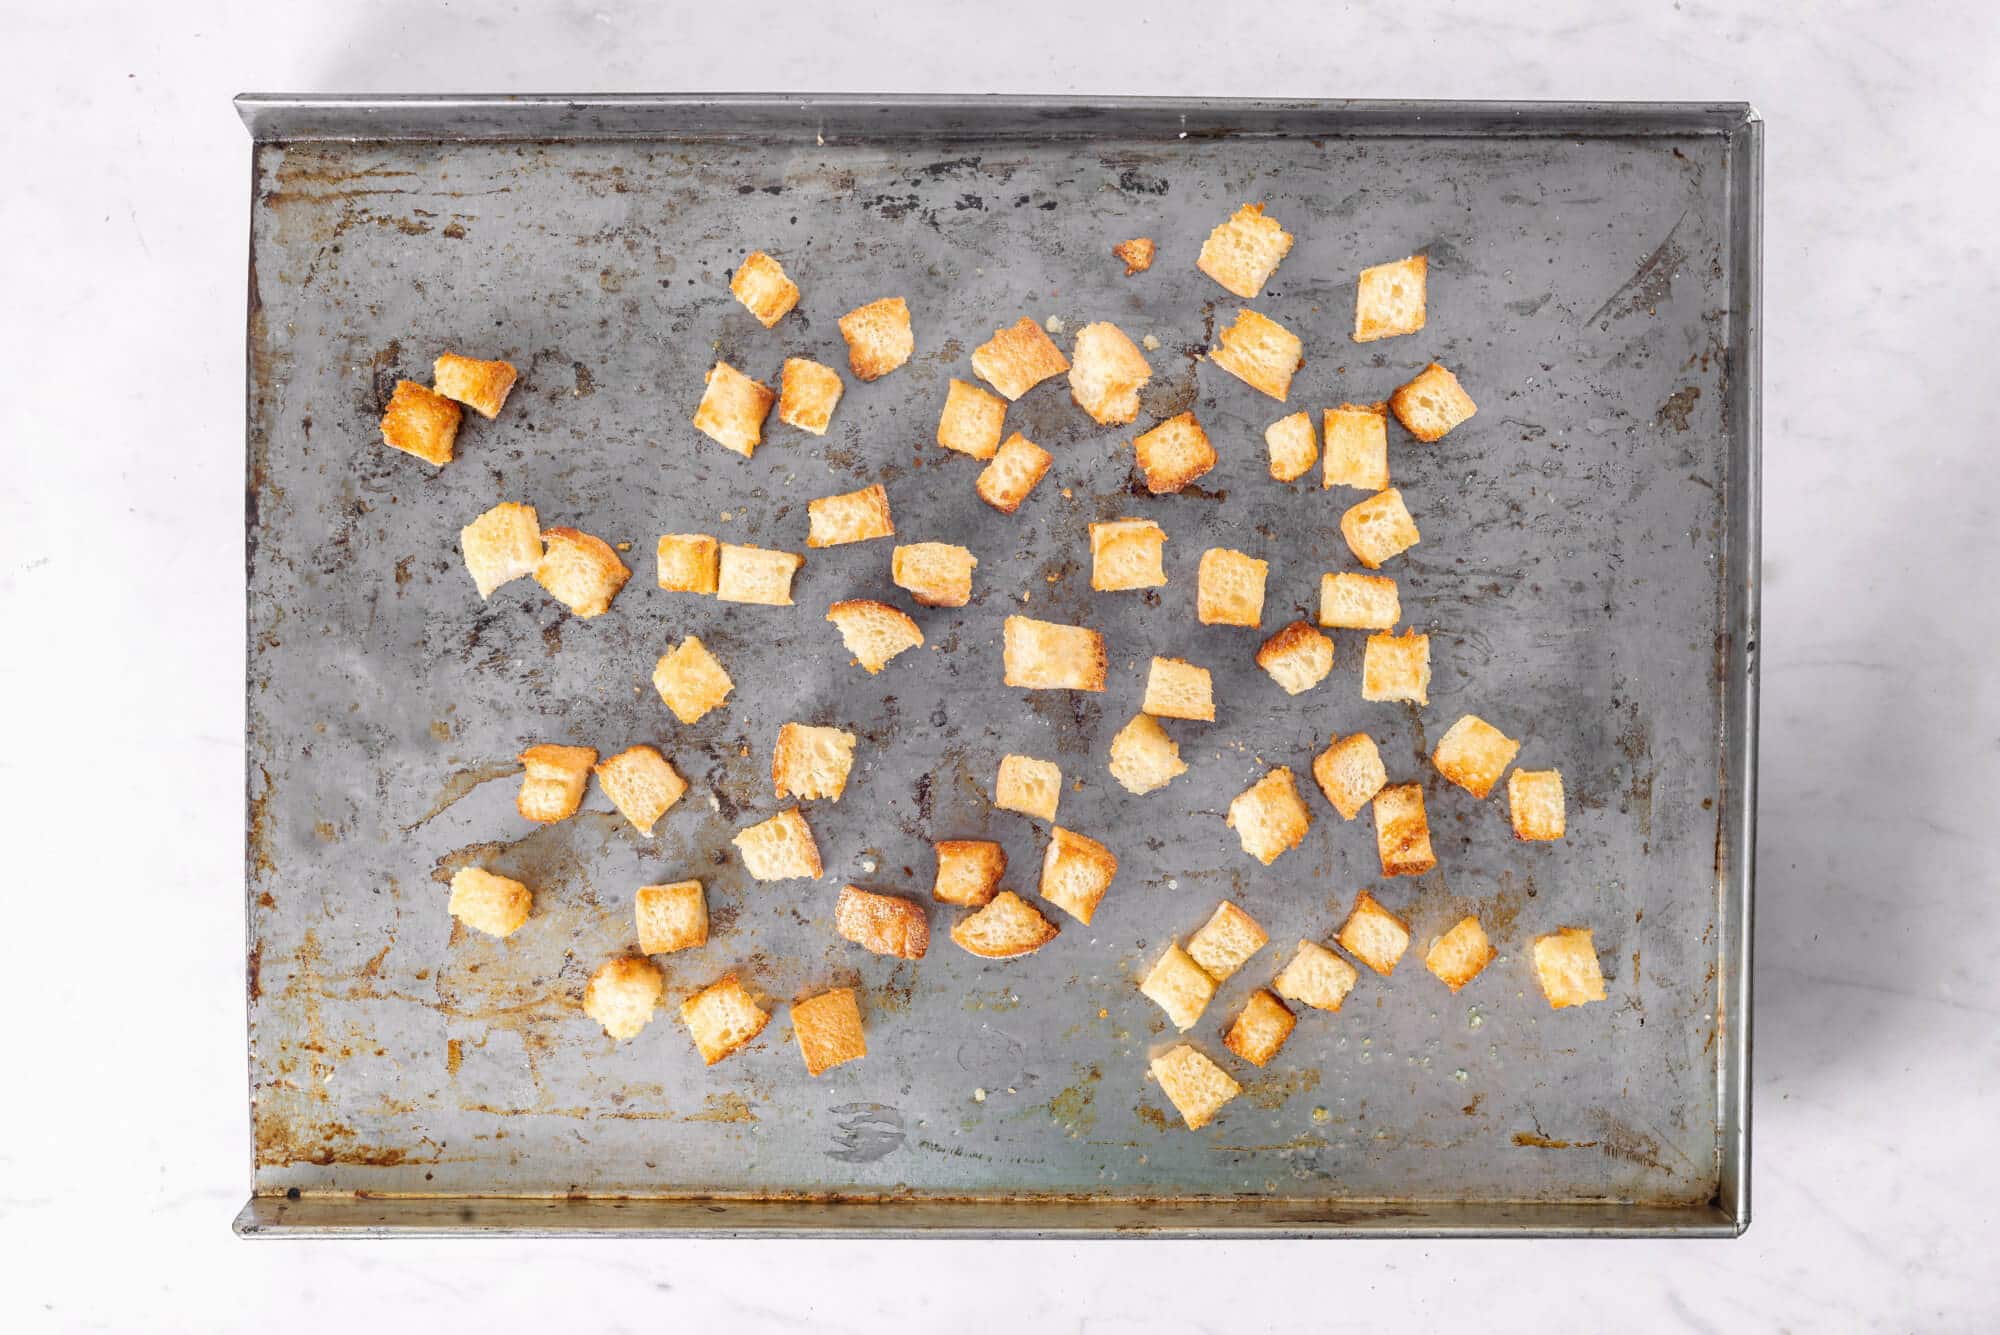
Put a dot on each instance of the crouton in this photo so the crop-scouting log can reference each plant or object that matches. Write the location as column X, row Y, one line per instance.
column 1176, row 688
column 810, row 762
column 937, row 574
column 873, row 632
column 581, row 572
column 761, row 285
column 1196, row 1086
column 971, row 420
column 1535, row 803
column 622, row 995
column 1357, row 447
column 1229, row 588
column 1260, row 352
column 807, row 394
column 1006, row 927
column 1048, row 656
column 853, row 516
column 1297, row 657
column 1076, row 871
column 756, row 575
column 1566, row 964
column 1269, row 817
column 552, row 781
column 1029, row 786
column 1260, row 1029
column 780, row 849
column 424, row 423
column 1359, row 602
column 1397, row 667
column 1379, row 528
column 1350, row 773
column 688, row 562
column 1402, row 833
column 501, row 545
column 878, row 337
column 723, row 1018
column 1293, row 447
column 642, row 785
column 733, row 408
column 1143, row 757
column 968, row 871
column 1389, row 299
column 1474, row 754
column 828, row 1028
column 1316, row 977
column 690, row 681
column 480, row 386
column 1374, row 935
column 1243, row 252
column 1432, row 404
column 495, row 905
column 1137, row 254
column 1015, row 469
column 1106, row 373
column 882, row 924
column 1173, row 454
column 671, row 917
column 1178, row 986
column 1126, row 554
column 1226, row 941
column 1018, row 358
column 1458, row 956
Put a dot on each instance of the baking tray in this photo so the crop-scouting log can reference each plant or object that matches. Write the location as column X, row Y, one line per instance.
column 1588, row 576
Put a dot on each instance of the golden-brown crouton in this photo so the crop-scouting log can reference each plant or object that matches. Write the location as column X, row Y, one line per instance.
column 1374, row 935
column 1015, row 469
column 642, row 785
column 690, row 681
column 878, row 337
column 622, row 995
column 1402, row 832
column 1260, row 352
column 1243, row 252
column 1048, row 656
column 1018, row 358
column 1178, row 986
column 1297, row 657
column 1359, row 602
column 1293, row 446
column 1260, row 1029
column 1006, row 927
column 1226, row 941
column 1173, row 454
column 733, row 408
column 1458, row 956
column 1474, row 754
column 480, row 386
column 937, row 574
column 1389, row 299
column 495, row 905
column 1535, row 803
column 1029, row 786
column 723, row 1018
column 828, row 1027
column 1137, row 254
column 853, row 516
column 1076, row 871
column 1143, row 757
column 1350, row 773
column 688, row 562
column 1357, row 447
column 971, row 420
column 1229, row 588
column 1126, row 554
column 811, row 761
column 780, row 849
column 552, row 781
column 422, row 422
column 1397, row 667
column 968, row 871
column 761, row 285
column 501, row 545
column 873, row 632
column 807, row 394
column 1196, row 1086
column 1566, row 964
column 671, row 917
column 1316, row 977
column 581, row 572
column 1176, row 688
column 1106, row 373
column 882, row 924
column 1269, row 816
column 1379, row 528
column 756, row 575
column 1432, row 404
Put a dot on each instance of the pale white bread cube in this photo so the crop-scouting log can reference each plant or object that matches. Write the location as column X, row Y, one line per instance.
column 1269, row 817
column 1012, row 473
column 1106, row 373
column 1566, row 964
column 1242, row 252
column 1535, row 803
column 1357, row 447
column 1351, row 601
column 1260, row 1029
column 1294, row 449
column 690, row 680
column 722, row 1018
column 1397, row 667
column 1402, row 831
column 1173, row 454
column 968, row 871
column 1297, row 657
column 1374, row 935
column 1127, row 554
column 642, row 784
column 1176, row 688
column 1379, row 528
column 882, row 924
column 1178, row 986
column 1196, row 1086
column 623, row 994
column 480, row 385
column 580, row 572
column 733, row 408
column 1260, row 352
column 1029, row 786
column 761, row 285
column 756, row 575
column 1474, row 754
column 1143, row 757
column 874, row 632
column 1457, row 957
column 1350, row 772
column 971, row 420
column 1076, row 872
column 1008, row 926
column 689, row 562
column 1229, row 588
column 780, row 849
column 810, row 761
column 1226, row 941
column 878, row 337
column 1049, row 656
column 501, row 545
column 828, row 1028
column 852, row 516
column 808, row 392
column 936, row 574
column 1389, row 299
column 1018, row 358
column 424, row 423
column 552, row 781
column 670, row 917
column 1432, row 404
column 1315, row 977
column 495, row 905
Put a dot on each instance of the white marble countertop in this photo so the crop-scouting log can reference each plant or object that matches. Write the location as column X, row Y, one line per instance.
column 123, row 1143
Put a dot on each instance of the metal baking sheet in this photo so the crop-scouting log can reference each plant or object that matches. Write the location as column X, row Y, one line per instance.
column 1587, row 575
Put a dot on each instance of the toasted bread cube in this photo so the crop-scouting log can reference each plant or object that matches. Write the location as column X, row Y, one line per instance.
column 623, row 994
column 1402, row 833
column 1173, row 454
column 1397, row 667
column 1226, row 941
column 1106, row 373
column 1389, row 300
column 1260, row 1029
column 1260, row 352
column 1269, row 816
column 495, row 905
column 1018, row 358
column 733, row 408
column 688, row 562
column 873, row 632
column 671, row 917
column 480, row 386
column 756, row 575
column 1126, row 554
column 853, row 516
column 1243, row 252
column 1379, row 528
column 723, row 1018
column 1179, row 987
column 552, row 781
column 1196, row 1086
column 1029, row 786
column 642, row 785
column 808, row 392
column 581, row 572
column 968, row 871
column 1535, row 803
column 1048, row 656
column 1316, row 977
column 1474, row 754
column 780, row 849
column 971, row 421
column 1566, row 964
column 1458, row 956
column 1432, row 404
column 1350, row 773
column 761, row 285
column 937, row 574
column 1143, row 757
column 882, row 924
column 1297, row 657
column 828, row 1027
column 422, row 422
column 501, row 545
column 811, row 761
column 1374, row 935
column 690, row 681
column 1359, row 602
column 1357, row 447
column 1229, row 589
column 1176, row 688
column 878, row 337
column 1006, row 481
column 1006, row 927
column 1076, row 871
column 1294, row 449
column 1137, row 254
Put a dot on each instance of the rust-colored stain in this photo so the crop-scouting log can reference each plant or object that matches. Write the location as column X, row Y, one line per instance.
column 1674, row 412
column 440, row 730
column 259, row 826
column 1074, row 1109
column 454, row 1053
column 1271, row 1090
column 253, row 971
column 1151, row 1116
column 325, row 832
column 403, row 570
column 726, row 1107
column 1535, row 1140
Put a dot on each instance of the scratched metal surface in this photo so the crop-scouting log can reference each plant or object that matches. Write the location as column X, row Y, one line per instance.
column 1570, row 577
